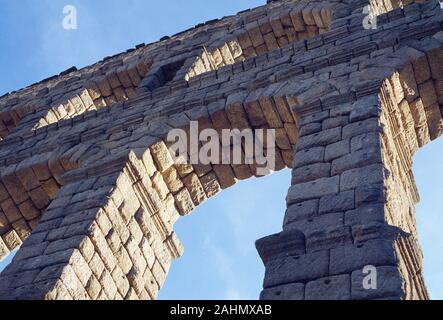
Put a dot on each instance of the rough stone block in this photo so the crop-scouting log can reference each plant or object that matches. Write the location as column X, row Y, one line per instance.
column 285, row 243
column 369, row 194
column 356, row 159
column 172, row 180
column 108, row 284
column 427, row 93
column 40, row 198
column 342, row 100
column 236, row 113
column 160, row 186
column 11, row 211
column 421, row 69
column 375, row 252
column 225, row 176
column 310, row 128
column 322, row 138
column 270, row 112
column 293, row 291
column 161, row 155
column 302, row 210
column 317, row 223
column 337, row 202
column 309, row 156
column 311, row 172
column 337, row 150
column 365, row 141
column 365, row 108
column 296, row 269
column 374, row 230
column 331, row 288
column 334, row 122
column 123, row 258
column 388, row 283
column 195, row 188
column 93, row 287
column 361, row 127
column 328, row 237
column 4, row 251
column 254, row 111
column 408, row 83
column 362, row 176
column 210, row 184
column 435, row 58
column 365, row 214
column 14, row 187
column 4, row 223
column 315, row 189
column 184, row 202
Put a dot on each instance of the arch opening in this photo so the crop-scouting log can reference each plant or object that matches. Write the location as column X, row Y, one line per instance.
column 428, row 173
column 412, row 118
column 6, row 261
column 219, row 239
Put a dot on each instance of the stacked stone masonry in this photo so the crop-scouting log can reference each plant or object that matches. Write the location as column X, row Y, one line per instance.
column 90, row 192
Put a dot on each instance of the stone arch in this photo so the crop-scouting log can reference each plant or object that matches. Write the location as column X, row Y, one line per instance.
column 73, row 93
column 280, row 27
column 361, row 194
column 141, row 184
column 412, row 99
column 106, row 87
column 30, row 187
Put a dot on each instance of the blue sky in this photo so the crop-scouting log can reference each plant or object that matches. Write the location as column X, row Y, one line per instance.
column 220, row 261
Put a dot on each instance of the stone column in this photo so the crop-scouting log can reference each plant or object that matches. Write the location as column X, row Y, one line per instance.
column 336, row 227
column 105, row 236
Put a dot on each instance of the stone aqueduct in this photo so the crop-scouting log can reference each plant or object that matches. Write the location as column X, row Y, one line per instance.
column 90, row 193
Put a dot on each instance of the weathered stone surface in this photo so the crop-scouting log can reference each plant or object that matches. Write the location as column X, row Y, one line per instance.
column 184, row 202
column 172, row 180
column 364, row 108
column 322, row 138
column 311, row 172
column 356, row 159
column 337, row 149
column 338, row 202
column 375, row 252
column 290, row 242
column 310, row 128
column 192, row 183
column 293, row 291
column 369, row 194
column 331, row 288
column 366, row 214
column 296, row 269
column 309, row 156
column 319, row 222
column 360, row 127
column 314, row 189
column 225, row 176
column 388, row 284
column 161, row 155
column 210, row 184
column 302, row 210
column 361, row 176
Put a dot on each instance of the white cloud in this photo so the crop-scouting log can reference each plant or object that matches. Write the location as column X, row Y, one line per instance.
column 234, row 295
column 225, row 268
